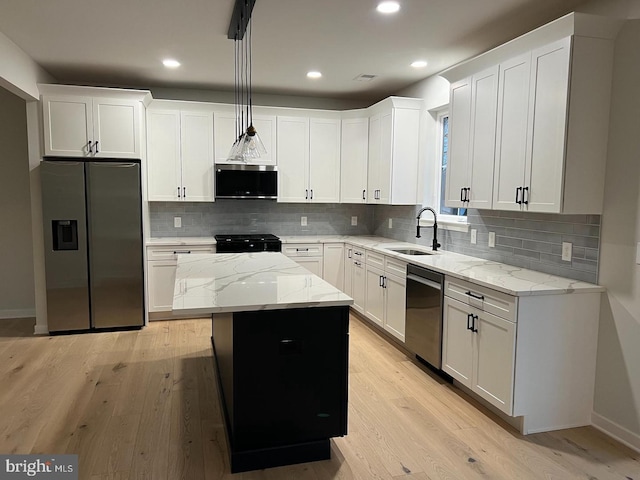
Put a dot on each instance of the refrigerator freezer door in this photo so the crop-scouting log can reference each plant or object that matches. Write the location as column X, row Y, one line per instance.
column 65, row 240
column 115, row 244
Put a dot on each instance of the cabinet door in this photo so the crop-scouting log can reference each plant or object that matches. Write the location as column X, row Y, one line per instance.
column 359, row 286
column 511, row 131
column 457, row 342
column 324, row 160
column 161, row 280
column 374, row 302
column 116, row 128
column 386, row 156
column 197, row 156
column 68, row 123
column 494, row 360
column 353, row 160
column 484, row 95
column 224, row 134
column 373, row 166
column 265, row 125
column 404, row 166
column 395, row 303
column 544, row 173
column 163, row 151
column 459, row 136
column 293, row 159
column 333, row 264
column 313, row 264
column 347, row 286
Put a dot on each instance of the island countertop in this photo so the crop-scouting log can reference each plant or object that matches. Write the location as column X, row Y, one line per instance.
column 241, row 282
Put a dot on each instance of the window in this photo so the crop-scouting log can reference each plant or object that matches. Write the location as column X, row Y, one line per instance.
column 446, row 214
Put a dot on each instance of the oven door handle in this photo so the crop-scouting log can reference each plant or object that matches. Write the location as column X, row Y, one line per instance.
column 424, row 281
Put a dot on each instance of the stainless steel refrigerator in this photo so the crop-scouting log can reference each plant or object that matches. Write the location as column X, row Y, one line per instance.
column 92, row 214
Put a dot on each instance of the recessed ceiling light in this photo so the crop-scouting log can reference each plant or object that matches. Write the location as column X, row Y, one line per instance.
column 314, row 74
column 388, row 7
column 419, row 64
column 170, row 63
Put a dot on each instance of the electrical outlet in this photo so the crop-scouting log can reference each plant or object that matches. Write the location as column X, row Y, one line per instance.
column 303, row 221
column 492, row 239
column 354, row 221
column 391, row 223
column 566, row 251
column 474, row 236
column 177, row 222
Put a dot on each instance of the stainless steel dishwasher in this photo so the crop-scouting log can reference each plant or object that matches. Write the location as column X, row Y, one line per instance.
column 423, row 331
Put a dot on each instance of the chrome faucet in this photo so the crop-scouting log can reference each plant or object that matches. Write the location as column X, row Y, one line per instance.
column 434, row 244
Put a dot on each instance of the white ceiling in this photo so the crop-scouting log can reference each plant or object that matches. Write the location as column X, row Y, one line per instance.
column 122, row 42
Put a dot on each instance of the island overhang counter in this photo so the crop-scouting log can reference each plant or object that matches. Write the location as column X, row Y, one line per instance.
column 280, row 342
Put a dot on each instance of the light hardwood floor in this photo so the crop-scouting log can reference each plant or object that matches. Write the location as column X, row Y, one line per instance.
column 143, row 405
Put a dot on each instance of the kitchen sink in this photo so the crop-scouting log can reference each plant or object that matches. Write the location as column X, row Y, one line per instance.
column 409, row 251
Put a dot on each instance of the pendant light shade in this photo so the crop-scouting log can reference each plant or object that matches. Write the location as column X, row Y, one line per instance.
column 247, row 144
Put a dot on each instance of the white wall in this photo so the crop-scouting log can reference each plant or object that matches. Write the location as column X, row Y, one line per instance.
column 16, row 259
column 18, row 72
column 617, row 396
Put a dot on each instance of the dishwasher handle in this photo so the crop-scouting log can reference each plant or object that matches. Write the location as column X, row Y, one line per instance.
column 424, row 281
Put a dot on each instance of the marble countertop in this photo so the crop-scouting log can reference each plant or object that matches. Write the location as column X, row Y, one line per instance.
column 233, row 282
column 498, row 276
column 179, row 241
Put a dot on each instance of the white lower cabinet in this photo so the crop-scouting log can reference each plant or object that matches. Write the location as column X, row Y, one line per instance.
column 479, row 352
column 333, row 264
column 385, row 295
column 358, row 281
column 161, row 275
column 309, row 255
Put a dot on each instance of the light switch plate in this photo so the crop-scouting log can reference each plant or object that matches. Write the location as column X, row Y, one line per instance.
column 391, row 223
column 566, row 251
column 492, row 239
column 474, row 236
column 303, row 221
column 177, row 222
column 638, row 254
column 354, row 220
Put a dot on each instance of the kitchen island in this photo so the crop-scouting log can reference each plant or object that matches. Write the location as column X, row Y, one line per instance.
column 280, row 341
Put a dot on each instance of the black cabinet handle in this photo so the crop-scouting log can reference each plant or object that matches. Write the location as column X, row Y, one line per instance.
column 179, row 193
column 363, row 195
column 312, row 194
column 525, row 200
column 477, row 297
column 474, row 329
column 384, row 282
column 349, row 253
column 184, row 192
column 379, row 280
column 470, row 322
column 306, row 194
column 89, row 146
column 462, row 194
column 357, row 264
column 358, row 253
column 518, row 201
column 466, row 194
column 176, row 252
column 96, row 145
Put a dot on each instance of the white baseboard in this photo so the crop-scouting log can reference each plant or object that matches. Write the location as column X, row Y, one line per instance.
column 620, row 433
column 19, row 313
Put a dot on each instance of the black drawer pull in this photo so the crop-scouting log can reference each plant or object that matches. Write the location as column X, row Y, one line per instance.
column 176, row 252
column 470, row 322
column 474, row 329
column 477, row 297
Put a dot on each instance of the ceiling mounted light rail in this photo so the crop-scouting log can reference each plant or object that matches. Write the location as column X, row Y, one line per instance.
column 248, row 144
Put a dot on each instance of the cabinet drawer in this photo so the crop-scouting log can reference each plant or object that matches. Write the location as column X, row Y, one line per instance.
column 395, row 267
column 171, row 252
column 358, row 254
column 483, row 298
column 303, row 249
column 373, row 258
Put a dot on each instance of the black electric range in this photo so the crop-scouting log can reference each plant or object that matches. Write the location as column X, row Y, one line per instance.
column 247, row 243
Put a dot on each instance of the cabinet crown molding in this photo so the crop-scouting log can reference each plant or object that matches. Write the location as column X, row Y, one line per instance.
column 143, row 96
column 575, row 23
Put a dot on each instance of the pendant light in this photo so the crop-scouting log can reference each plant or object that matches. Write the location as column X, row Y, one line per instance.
column 248, row 145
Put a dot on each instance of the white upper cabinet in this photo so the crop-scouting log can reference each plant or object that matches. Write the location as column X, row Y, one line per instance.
column 551, row 131
column 354, row 154
column 394, row 162
column 92, row 127
column 308, row 152
column 180, row 151
column 472, row 140
column 225, row 133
